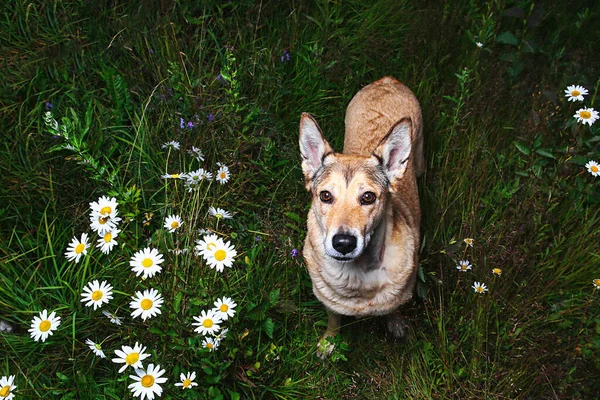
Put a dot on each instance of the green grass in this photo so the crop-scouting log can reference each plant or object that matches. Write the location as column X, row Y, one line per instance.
column 505, row 167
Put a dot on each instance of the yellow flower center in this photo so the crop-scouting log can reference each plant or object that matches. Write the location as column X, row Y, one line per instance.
column 97, row 295
column 224, row 308
column 45, row 325
column 147, row 381
column 575, row 93
column 220, row 255
column 102, row 220
column 209, row 346
column 132, row 358
column 585, row 114
column 219, row 215
column 597, row 282
column 479, row 289
column 497, row 271
column 187, row 383
column 463, row 267
column 5, row 391
column 594, row 168
column 107, row 237
column 223, row 175
column 147, row 262
column 175, row 176
column 146, row 304
column 207, row 323
column 174, row 225
column 79, row 248
column 105, row 210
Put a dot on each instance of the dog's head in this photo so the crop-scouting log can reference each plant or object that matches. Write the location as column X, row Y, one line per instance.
column 350, row 192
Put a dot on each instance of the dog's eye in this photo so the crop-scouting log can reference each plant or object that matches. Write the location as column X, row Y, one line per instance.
column 367, row 198
column 325, row 196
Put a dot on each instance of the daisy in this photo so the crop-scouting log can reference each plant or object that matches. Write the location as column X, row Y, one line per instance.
column 172, row 222
column 596, row 283
column 593, row 168
column 219, row 213
column 575, row 93
column 225, row 308
column 146, row 262
column 222, row 256
column 107, row 242
column 113, row 317
column 207, row 245
column 180, row 175
column 171, row 145
column 77, row 248
column 106, row 207
column 131, row 356
column 479, row 287
column 196, row 152
column 146, row 304
column 222, row 335
column 497, row 271
column 223, row 175
column 463, row 266
column 469, row 241
column 6, row 387
column 187, row 381
column 102, row 224
column 479, row 44
column 44, row 325
column 586, row 115
column 208, row 323
column 206, row 175
column 96, row 348
column 96, row 294
column 210, row 343
column 147, row 383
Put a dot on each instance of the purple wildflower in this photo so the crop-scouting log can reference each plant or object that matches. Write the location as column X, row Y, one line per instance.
column 219, row 78
column 152, row 51
column 49, row 106
column 210, row 117
column 181, row 123
column 190, row 125
column 294, row 253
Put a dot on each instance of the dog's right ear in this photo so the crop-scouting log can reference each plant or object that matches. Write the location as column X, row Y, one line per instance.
column 313, row 147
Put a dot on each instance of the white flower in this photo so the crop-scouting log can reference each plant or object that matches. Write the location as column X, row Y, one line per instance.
column 211, row 344
column 207, row 245
column 469, row 241
column 593, row 168
column 171, row 145
column 187, row 381
column 575, row 93
column 207, row 322
column 173, row 222
column 113, row 317
column 586, row 115
column 96, row 294
column 219, row 213
column 7, row 387
column 107, row 241
column 102, row 224
column 147, row 383
column 223, row 175
column 221, row 256
column 463, row 266
column 96, row 348
column 131, row 356
column 479, row 287
column 146, row 262
column 106, row 207
column 225, row 308
column 596, row 283
column 479, row 44
column 146, row 304
column 180, row 175
column 77, row 248
column 196, row 152
column 44, row 325
column 206, row 175
column 222, row 335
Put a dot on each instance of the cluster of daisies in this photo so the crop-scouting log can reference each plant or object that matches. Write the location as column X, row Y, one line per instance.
column 465, row 265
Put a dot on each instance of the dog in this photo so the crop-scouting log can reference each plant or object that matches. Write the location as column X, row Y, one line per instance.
column 362, row 243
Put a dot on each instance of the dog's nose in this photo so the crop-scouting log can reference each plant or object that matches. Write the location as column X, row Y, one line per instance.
column 344, row 243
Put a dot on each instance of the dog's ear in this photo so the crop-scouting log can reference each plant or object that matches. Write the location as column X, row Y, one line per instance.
column 393, row 152
column 313, row 147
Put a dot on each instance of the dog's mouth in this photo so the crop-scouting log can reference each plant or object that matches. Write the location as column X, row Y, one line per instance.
column 343, row 259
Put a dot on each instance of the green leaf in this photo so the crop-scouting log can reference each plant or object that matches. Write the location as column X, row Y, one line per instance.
column 269, row 327
column 545, row 153
column 507, row 38
column 293, row 216
column 522, row 148
column 177, row 302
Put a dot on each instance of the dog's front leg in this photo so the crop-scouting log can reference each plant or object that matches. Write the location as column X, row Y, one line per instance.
column 334, row 321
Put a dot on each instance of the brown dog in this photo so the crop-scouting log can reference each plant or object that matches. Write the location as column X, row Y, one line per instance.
column 361, row 248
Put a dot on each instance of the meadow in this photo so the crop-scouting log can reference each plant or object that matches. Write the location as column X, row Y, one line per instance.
column 132, row 100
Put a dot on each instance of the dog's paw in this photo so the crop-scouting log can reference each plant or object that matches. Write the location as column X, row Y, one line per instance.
column 397, row 326
column 324, row 348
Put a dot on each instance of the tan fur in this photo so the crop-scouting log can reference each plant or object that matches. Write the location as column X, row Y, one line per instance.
column 382, row 277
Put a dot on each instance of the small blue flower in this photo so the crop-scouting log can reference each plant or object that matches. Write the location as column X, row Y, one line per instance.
column 181, row 123
column 294, row 253
column 152, row 51
column 190, row 125
column 219, row 78
column 49, row 106
column 210, row 117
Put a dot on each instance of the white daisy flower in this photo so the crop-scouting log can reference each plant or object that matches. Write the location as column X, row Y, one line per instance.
column 596, row 283
column 171, row 145
column 206, row 175
column 586, row 115
column 146, row 262
column 207, row 322
column 222, row 335
column 223, row 175
column 106, row 207
column 44, row 325
column 96, row 348
column 180, row 175
column 211, row 344
column 575, row 93
column 102, row 224
column 207, row 245
column 469, row 241
column 173, row 222
column 479, row 44
column 7, row 387
column 463, row 266
column 219, row 213
column 479, row 287
column 131, row 356
column 225, row 308
column 146, row 304
column 187, row 381
column 147, row 383
column 107, row 241
column 77, row 248
column 593, row 168
column 222, row 256
column 113, row 317
column 196, row 152
column 96, row 294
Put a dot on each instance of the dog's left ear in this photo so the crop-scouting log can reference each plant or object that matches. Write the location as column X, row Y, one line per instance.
column 393, row 152
column 313, row 147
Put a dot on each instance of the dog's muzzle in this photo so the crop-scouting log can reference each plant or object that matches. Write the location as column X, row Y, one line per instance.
column 344, row 243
